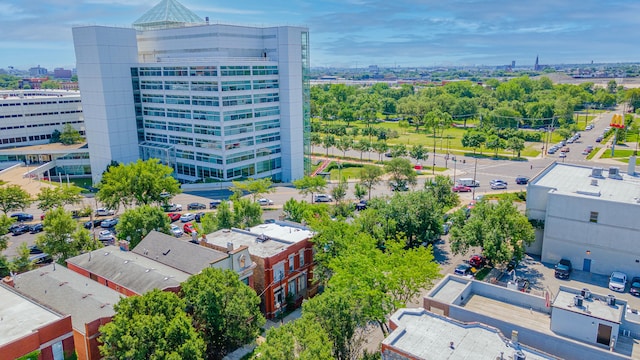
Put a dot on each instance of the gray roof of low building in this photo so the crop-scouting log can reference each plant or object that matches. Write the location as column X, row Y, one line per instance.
column 21, row 315
column 179, row 254
column 130, row 270
column 69, row 293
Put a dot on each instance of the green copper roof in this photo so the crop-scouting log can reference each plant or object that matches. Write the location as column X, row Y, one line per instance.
column 167, row 14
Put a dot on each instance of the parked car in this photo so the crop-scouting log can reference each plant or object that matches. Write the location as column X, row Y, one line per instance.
column 460, row 188
column 497, row 181
column 562, row 155
column 445, row 228
column 322, row 198
column 20, row 229
column 176, row 231
column 552, row 151
column 463, row 270
column 265, row 202
column 172, row 207
column 92, row 224
column 106, row 235
column 22, row 216
column 199, row 216
column 498, row 186
column 36, row 228
column 563, row 269
column 398, row 187
column 522, row 180
column 618, row 281
column 173, row 216
column 104, row 212
column 585, row 152
column 599, row 138
column 196, row 206
column 189, row 228
column 109, row 223
column 213, row 204
column 361, row 205
column 40, row 259
column 634, row 288
column 477, row 261
column 187, row 217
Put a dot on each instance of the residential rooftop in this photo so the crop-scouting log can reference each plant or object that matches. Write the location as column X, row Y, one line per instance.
column 20, row 316
column 69, row 293
column 607, row 184
column 135, row 272
column 425, row 335
column 264, row 240
column 178, row 254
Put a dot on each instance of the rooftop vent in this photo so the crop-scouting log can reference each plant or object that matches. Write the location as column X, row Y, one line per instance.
column 577, row 300
column 594, row 182
column 519, row 355
column 611, row 300
column 262, row 238
column 596, row 172
column 614, row 173
column 586, row 293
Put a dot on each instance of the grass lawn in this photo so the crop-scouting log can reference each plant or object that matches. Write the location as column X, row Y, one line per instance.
column 619, row 153
column 73, row 183
column 593, row 153
column 347, row 173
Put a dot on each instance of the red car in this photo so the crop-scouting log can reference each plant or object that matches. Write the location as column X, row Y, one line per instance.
column 460, row 188
column 174, row 216
column 188, row 228
column 477, row 261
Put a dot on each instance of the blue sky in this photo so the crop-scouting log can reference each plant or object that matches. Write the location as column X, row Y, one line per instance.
column 357, row 33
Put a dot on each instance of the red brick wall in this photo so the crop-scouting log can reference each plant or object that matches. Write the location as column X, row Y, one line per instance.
column 42, row 335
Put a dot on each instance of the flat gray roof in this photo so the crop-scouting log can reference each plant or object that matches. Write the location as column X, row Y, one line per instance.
column 179, row 254
column 596, row 306
column 69, row 293
column 133, row 271
column 264, row 240
column 577, row 180
column 428, row 336
column 20, row 316
column 450, row 290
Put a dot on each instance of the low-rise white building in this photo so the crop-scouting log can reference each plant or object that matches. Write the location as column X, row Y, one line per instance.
column 590, row 216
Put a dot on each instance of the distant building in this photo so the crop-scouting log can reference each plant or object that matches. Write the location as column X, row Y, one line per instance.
column 590, row 217
column 89, row 304
column 215, row 101
column 38, row 71
column 284, row 258
column 60, row 73
column 27, row 326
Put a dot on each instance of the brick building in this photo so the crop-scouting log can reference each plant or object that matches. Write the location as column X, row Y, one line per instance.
column 27, row 326
column 284, row 258
column 89, row 304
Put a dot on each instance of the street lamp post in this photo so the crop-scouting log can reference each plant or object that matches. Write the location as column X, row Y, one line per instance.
column 455, row 162
column 475, row 167
column 433, row 169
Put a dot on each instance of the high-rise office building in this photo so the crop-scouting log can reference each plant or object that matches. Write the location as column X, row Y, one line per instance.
column 212, row 101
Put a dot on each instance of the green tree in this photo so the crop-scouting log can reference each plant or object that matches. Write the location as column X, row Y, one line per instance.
column 344, row 144
column 5, row 223
column 419, row 152
column 473, row 139
column 632, row 96
column 134, row 224
column 62, row 238
column 440, row 188
column 69, row 135
column 246, row 213
column 495, row 143
column 515, row 144
column 400, row 172
column 224, row 310
column 380, row 147
column 398, row 150
column 310, row 185
column 58, row 196
column 362, row 146
column 142, row 182
column 339, row 192
column 303, row 339
column 21, row 262
column 224, row 216
column 256, row 187
column 209, row 223
column 359, row 191
column 50, row 84
column 151, row 326
column 12, row 198
column 500, row 229
column 328, row 141
column 370, row 176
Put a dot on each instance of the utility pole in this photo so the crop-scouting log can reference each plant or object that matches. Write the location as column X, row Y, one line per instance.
column 475, row 168
column 433, row 169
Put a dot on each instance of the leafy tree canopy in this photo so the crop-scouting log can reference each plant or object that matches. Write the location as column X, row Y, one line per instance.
column 134, row 224
column 12, row 198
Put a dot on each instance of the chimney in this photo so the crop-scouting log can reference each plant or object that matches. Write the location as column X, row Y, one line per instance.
column 514, row 336
column 8, row 280
column 229, row 247
column 632, row 165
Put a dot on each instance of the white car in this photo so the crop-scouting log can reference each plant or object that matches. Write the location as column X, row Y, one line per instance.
column 187, row 217
column 104, row 212
column 498, row 186
column 323, row 198
column 265, row 202
column 618, row 281
column 176, row 231
column 106, row 235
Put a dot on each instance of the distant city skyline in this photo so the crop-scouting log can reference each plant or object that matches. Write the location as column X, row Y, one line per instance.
column 359, row 33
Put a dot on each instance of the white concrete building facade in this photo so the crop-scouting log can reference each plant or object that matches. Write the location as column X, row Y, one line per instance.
column 590, row 217
column 212, row 101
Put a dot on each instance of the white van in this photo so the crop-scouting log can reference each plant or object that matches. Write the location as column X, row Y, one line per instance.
column 468, row 182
